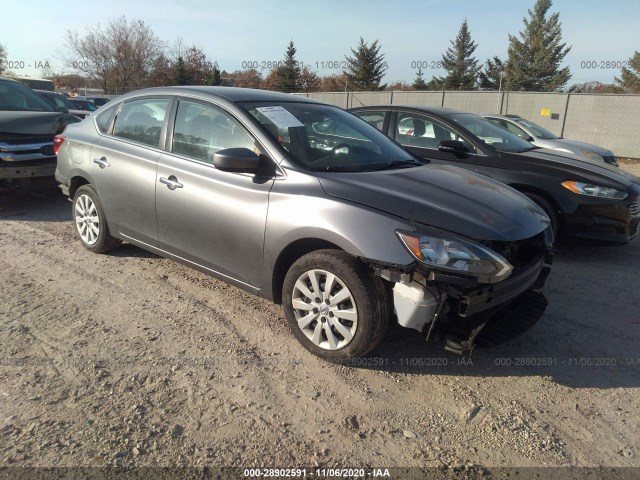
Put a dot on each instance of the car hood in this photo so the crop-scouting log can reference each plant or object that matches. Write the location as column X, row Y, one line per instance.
column 598, row 172
column 573, row 146
column 444, row 197
column 34, row 123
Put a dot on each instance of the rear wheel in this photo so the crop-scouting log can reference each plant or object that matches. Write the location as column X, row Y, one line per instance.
column 90, row 222
column 334, row 305
column 550, row 210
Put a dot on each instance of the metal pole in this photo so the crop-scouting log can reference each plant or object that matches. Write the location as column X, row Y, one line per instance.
column 564, row 117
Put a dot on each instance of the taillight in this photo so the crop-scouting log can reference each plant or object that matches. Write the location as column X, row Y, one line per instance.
column 58, row 140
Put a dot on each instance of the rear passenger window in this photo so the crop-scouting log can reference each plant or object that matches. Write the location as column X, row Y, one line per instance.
column 103, row 119
column 200, row 131
column 142, row 120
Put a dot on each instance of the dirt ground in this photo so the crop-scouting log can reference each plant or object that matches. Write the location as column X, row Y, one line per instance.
column 129, row 359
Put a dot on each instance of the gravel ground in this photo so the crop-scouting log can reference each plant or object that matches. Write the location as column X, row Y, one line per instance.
column 132, row 360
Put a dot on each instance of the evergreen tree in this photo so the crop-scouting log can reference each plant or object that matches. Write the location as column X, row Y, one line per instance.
column 534, row 58
column 435, row 84
column 461, row 66
column 630, row 77
column 367, row 67
column 182, row 76
column 289, row 73
column 419, row 83
column 216, row 78
column 489, row 78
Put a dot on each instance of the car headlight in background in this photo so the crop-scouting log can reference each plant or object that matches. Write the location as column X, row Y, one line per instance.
column 594, row 190
column 442, row 251
column 592, row 155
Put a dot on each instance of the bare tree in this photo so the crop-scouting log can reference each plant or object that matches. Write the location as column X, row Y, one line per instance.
column 119, row 56
column 250, row 78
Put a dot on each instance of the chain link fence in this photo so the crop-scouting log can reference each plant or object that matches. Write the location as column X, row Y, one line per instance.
column 609, row 120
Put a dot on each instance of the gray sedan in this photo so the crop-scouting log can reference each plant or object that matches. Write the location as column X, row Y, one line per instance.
column 309, row 206
column 541, row 137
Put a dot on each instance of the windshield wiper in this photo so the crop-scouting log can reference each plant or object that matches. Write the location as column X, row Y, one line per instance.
column 397, row 163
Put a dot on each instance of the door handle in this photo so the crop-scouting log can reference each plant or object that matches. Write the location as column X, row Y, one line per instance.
column 171, row 182
column 101, row 162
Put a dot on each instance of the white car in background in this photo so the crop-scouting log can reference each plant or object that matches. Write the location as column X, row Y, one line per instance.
column 541, row 137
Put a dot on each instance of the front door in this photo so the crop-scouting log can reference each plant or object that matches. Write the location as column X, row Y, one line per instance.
column 212, row 218
column 421, row 135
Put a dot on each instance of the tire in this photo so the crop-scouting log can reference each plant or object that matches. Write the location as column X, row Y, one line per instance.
column 347, row 322
column 550, row 210
column 90, row 222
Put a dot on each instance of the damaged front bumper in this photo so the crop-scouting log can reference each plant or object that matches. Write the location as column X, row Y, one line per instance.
column 447, row 306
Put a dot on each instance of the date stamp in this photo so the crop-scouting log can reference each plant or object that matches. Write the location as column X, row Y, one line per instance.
column 22, row 64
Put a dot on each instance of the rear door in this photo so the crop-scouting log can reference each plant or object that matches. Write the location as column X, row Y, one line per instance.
column 212, row 218
column 124, row 166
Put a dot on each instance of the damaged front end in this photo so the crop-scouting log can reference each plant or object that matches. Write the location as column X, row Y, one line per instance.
column 467, row 292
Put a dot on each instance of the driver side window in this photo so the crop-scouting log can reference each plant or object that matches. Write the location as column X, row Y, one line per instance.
column 200, row 131
column 424, row 132
column 511, row 128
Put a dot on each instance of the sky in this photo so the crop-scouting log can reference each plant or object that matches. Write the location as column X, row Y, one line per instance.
column 241, row 33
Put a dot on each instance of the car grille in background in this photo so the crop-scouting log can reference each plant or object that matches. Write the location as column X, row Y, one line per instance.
column 634, row 208
column 21, row 139
column 519, row 253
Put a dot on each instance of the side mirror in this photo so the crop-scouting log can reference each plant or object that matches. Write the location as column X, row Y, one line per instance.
column 454, row 146
column 236, row 160
column 62, row 109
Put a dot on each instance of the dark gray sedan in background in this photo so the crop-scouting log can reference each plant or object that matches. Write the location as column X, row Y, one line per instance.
column 306, row 205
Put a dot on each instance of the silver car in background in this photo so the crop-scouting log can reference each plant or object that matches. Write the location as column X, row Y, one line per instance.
column 309, row 206
column 541, row 137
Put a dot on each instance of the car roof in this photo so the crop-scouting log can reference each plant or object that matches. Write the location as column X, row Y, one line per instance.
column 506, row 117
column 48, row 92
column 414, row 108
column 232, row 94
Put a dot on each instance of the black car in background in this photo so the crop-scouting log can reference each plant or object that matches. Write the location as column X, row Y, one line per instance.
column 584, row 199
column 83, row 104
column 99, row 101
column 62, row 103
column 28, row 124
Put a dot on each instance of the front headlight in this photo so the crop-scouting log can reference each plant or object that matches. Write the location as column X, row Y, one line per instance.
column 592, row 155
column 594, row 190
column 443, row 251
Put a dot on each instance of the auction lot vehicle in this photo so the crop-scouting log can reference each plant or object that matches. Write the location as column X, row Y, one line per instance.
column 83, row 104
column 98, row 101
column 541, row 137
column 343, row 228
column 586, row 200
column 28, row 124
column 60, row 102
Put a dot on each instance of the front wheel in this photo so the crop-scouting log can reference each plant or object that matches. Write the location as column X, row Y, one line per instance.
column 90, row 221
column 334, row 305
column 550, row 210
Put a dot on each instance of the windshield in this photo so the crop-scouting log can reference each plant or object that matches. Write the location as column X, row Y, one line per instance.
column 58, row 100
column 15, row 96
column 326, row 138
column 537, row 130
column 491, row 134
